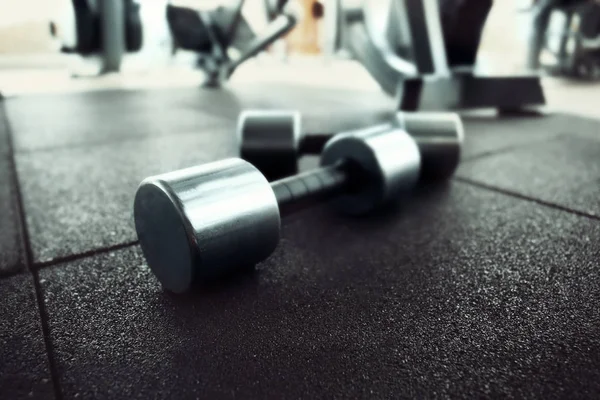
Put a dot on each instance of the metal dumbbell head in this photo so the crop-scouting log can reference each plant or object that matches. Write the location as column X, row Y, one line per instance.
column 201, row 222
column 387, row 156
column 269, row 140
column 440, row 137
column 204, row 222
column 273, row 141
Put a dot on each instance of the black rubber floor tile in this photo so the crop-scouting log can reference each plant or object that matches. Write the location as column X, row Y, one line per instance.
column 24, row 371
column 564, row 171
column 42, row 122
column 4, row 130
column 80, row 199
column 341, row 120
column 311, row 98
column 323, row 110
column 484, row 135
column 11, row 249
column 83, row 119
column 464, row 293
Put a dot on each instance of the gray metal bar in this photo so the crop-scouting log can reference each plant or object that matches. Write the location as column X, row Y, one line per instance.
column 382, row 63
column 280, row 25
column 425, row 25
column 113, row 34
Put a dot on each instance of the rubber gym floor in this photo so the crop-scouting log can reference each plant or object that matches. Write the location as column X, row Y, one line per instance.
column 487, row 286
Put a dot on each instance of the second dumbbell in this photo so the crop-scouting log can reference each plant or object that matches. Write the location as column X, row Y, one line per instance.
column 273, row 140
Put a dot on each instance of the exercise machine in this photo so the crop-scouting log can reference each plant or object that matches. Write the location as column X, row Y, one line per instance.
column 212, row 34
column 108, row 28
column 424, row 53
column 221, row 37
column 571, row 41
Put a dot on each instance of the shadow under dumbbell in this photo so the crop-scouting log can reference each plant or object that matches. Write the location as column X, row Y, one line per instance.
column 422, row 193
column 217, row 287
column 328, row 217
column 232, row 288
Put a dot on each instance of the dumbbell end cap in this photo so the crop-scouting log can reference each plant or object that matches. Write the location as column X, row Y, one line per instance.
column 201, row 224
column 440, row 137
column 166, row 236
column 270, row 140
column 389, row 159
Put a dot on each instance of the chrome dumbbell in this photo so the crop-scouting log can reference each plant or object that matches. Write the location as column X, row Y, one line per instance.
column 204, row 222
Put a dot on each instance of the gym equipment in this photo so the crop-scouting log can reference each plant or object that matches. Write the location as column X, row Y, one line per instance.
column 273, row 140
column 571, row 40
column 204, row 222
column 113, row 27
column 108, row 27
column 427, row 58
column 212, row 33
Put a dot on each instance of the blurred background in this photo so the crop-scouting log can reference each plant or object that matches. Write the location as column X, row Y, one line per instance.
column 486, row 285
column 31, row 60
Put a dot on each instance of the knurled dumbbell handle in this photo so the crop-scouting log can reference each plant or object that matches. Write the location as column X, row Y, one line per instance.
column 305, row 189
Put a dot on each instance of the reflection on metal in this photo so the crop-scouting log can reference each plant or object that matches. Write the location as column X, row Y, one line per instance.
column 433, row 23
column 372, row 59
column 378, row 58
column 427, row 37
column 397, row 33
column 377, row 18
column 204, row 222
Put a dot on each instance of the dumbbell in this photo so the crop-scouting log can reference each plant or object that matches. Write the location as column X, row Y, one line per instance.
column 201, row 223
column 273, row 140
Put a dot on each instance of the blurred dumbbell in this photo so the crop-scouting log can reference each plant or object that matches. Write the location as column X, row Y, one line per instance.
column 204, row 222
column 273, row 141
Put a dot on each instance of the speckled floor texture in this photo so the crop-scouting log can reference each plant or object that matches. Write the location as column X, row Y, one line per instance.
column 485, row 287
